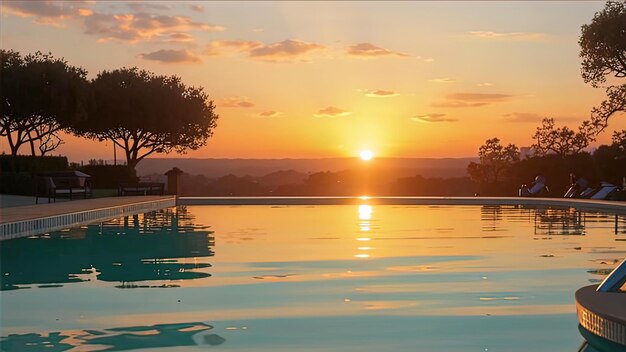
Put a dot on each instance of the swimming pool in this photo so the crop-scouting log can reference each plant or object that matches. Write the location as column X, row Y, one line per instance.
column 309, row 278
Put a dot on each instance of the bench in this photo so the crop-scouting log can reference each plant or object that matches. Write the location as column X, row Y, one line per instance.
column 66, row 184
column 141, row 189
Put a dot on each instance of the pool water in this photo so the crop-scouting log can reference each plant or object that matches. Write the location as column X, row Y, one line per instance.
column 309, row 278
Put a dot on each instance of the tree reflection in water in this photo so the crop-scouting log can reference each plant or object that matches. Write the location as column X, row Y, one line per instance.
column 116, row 339
column 140, row 248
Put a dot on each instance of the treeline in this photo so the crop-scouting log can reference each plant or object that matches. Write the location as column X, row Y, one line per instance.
column 342, row 183
column 140, row 112
column 558, row 151
column 501, row 170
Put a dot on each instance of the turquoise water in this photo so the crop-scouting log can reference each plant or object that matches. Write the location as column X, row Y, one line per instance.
column 309, row 278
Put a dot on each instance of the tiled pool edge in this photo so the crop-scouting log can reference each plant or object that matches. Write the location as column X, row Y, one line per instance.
column 44, row 224
column 588, row 204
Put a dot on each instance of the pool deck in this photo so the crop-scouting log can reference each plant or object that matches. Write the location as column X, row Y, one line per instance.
column 29, row 220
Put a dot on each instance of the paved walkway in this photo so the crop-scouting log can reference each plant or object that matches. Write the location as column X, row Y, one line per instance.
column 28, row 220
column 15, row 201
column 35, row 211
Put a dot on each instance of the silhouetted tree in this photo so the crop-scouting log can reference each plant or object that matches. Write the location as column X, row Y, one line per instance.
column 603, row 44
column 603, row 50
column 619, row 139
column 495, row 161
column 561, row 141
column 41, row 95
column 611, row 159
column 144, row 113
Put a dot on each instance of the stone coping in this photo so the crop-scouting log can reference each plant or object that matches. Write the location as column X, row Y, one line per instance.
column 603, row 205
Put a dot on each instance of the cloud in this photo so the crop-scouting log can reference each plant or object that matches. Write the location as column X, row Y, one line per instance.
column 368, row 50
column 524, row 36
column 122, row 27
column 379, row 93
column 145, row 6
column 218, row 47
column 442, row 80
column 138, row 27
column 285, row 51
column 430, row 118
column 179, row 38
column 235, row 102
column 523, row 117
column 269, row 113
column 485, row 84
column 171, row 56
column 332, row 111
column 290, row 50
column 463, row 100
column 529, row 117
column 197, row 8
column 47, row 12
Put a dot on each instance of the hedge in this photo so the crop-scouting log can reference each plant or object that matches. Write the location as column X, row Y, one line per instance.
column 109, row 176
column 32, row 164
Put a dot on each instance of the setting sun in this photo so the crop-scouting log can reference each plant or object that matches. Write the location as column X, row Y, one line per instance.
column 366, row 155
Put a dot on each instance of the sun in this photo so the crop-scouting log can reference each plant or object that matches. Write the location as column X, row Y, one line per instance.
column 366, row 155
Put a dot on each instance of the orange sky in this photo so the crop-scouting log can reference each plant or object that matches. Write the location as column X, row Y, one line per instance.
column 326, row 79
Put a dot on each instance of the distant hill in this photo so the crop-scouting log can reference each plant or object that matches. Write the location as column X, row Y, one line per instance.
column 298, row 168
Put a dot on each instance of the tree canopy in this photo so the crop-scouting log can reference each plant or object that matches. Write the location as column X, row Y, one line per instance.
column 144, row 113
column 495, row 160
column 563, row 140
column 40, row 95
column 603, row 44
column 603, row 53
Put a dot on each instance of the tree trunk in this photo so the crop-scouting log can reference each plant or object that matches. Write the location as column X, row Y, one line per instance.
column 32, row 147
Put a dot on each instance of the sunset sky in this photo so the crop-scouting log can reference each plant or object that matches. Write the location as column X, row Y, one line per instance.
column 329, row 79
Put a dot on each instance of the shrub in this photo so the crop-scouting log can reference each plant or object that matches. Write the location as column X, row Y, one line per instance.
column 109, row 176
column 32, row 164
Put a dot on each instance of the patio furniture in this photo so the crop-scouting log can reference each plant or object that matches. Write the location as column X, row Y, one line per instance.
column 63, row 184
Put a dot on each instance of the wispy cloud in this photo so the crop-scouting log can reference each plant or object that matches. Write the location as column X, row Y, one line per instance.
column 139, row 27
column 291, row 50
column 523, row 117
column 464, row 100
column 529, row 117
column 431, row 118
column 47, row 12
column 171, row 56
column 368, row 50
column 268, row 113
column 523, row 36
column 332, row 111
column 235, row 102
column 179, row 38
column 286, row 51
column 219, row 47
column 442, row 80
column 485, row 84
column 197, row 8
column 144, row 6
column 378, row 93
column 132, row 27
